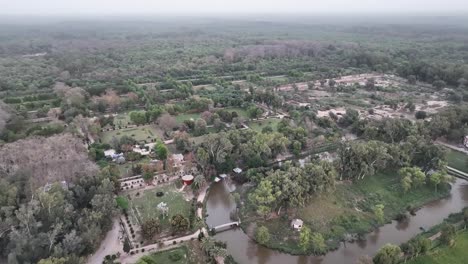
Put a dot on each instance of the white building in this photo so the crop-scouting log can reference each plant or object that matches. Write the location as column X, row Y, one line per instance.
column 297, row 224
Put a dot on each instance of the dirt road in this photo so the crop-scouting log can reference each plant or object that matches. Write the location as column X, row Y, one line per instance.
column 110, row 245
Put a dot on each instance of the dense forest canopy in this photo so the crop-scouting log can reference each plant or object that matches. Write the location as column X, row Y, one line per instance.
column 107, row 53
column 373, row 95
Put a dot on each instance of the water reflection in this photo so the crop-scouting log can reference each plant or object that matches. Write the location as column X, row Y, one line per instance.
column 246, row 251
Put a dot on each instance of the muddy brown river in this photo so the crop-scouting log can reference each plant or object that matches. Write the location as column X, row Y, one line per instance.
column 246, row 251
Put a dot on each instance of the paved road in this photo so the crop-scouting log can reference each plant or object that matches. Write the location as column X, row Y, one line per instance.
column 461, row 149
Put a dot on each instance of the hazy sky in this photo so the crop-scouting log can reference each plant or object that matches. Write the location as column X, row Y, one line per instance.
column 46, row 7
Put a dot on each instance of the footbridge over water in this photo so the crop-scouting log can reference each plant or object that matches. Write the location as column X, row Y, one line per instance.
column 225, row 227
column 457, row 173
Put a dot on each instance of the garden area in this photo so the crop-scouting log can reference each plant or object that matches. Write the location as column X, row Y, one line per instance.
column 145, row 205
column 349, row 210
column 175, row 256
column 146, row 133
column 259, row 125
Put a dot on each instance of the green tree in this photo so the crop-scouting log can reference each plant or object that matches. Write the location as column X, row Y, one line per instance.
column 411, row 177
column 161, row 150
column 122, row 202
column 304, row 238
column 406, row 183
column 447, row 235
column 138, row 117
column 388, row 254
column 262, row 235
column 379, row 213
column 200, row 127
column 318, row 243
column 263, row 197
column 53, row 260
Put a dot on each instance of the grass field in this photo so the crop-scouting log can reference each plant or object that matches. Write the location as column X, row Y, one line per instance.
column 457, row 254
column 347, row 210
column 169, row 256
column 180, row 118
column 259, row 125
column 140, row 133
column 457, row 160
column 146, row 204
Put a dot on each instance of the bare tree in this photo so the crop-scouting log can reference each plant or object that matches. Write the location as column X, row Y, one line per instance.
column 4, row 115
column 167, row 122
column 56, row 158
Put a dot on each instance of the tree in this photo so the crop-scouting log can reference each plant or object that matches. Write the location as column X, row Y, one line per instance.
column 406, row 183
column 161, row 150
column 418, row 246
column 411, row 177
column 359, row 159
column 217, row 146
column 304, row 238
column 263, row 197
column 318, row 243
column 440, row 177
column 296, row 147
column 439, row 84
column 122, row 202
column 435, row 179
column 179, row 223
column 262, row 235
column 126, row 246
column 388, row 254
column 138, row 117
column 447, row 235
column 420, row 115
column 53, row 260
column 150, row 227
column 198, row 182
column 167, row 122
column 254, row 112
column 379, row 213
column 200, row 127
column 412, row 79
column 182, row 141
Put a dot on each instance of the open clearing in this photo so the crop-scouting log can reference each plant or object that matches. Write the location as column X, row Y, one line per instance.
column 457, row 160
column 260, row 124
column 142, row 133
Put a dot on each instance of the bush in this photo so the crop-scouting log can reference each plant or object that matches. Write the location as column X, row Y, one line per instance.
column 420, row 115
column 176, row 256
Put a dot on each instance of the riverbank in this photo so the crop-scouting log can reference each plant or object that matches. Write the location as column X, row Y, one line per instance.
column 345, row 214
column 456, row 254
column 440, row 252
